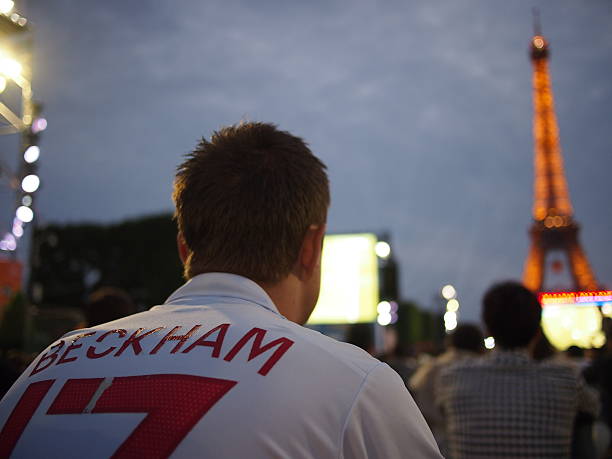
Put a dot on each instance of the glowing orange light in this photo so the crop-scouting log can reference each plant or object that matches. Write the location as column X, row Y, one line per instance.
column 538, row 42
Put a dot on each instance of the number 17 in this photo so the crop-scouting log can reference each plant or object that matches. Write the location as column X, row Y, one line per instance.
column 174, row 403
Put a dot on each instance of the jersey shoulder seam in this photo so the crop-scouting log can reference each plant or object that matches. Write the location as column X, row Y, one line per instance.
column 352, row 407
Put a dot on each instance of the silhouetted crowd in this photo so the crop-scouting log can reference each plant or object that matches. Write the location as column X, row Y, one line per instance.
column 521, row 399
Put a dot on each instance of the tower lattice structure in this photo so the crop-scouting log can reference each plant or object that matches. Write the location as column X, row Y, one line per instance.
column 554, row 227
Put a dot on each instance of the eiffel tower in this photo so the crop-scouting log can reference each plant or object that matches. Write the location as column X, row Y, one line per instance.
column 554, row 227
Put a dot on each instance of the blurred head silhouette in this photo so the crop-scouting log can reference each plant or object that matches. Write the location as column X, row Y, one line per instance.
column 511, row 314
column 467, row 337
column 107, row 304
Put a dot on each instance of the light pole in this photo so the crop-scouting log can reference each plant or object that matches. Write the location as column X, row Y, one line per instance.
column 16, row 69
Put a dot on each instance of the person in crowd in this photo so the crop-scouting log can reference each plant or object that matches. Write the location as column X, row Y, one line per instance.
column 599, row 374
column 541, row 349
column 8, row 374
column 506, row 404
column 362, row 336
column 583, row 436
column 224, row 367
column 465, row 342
column 398, row 354
column 107, row 304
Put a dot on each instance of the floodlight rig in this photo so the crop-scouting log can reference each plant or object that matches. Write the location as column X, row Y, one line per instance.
column 16, row 68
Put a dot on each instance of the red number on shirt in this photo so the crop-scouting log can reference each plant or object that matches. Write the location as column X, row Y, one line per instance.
column 174, row 403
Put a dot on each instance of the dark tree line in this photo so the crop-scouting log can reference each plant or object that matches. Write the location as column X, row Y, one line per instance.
column 71, row 261
column 139, row 256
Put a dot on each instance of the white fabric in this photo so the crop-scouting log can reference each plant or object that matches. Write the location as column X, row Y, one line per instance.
column 306, row 396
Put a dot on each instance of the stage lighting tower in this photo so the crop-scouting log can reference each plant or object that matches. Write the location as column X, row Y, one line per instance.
column 26, row 120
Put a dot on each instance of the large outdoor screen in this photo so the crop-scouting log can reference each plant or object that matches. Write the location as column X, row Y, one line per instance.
column 349, row 280
column 574, row 318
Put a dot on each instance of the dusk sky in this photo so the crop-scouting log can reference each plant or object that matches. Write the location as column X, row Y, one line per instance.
column 422, row 112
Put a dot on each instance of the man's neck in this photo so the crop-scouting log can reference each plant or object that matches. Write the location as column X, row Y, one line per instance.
column 286, row 296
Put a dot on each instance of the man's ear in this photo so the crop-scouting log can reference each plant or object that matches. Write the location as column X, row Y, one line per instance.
column 183, row 250
column 312, row 248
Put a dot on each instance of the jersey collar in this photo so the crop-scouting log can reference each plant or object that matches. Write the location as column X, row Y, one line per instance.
column 202, row 288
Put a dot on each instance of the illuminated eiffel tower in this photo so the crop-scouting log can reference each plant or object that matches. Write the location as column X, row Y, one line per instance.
column 554, row 227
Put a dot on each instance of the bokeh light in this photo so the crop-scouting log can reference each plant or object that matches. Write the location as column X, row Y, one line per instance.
column 6, row 6
column 31, row 154
column 449, row 292
column 382, row 249
column 25, row 214
column 30, row 183
column 452, row 305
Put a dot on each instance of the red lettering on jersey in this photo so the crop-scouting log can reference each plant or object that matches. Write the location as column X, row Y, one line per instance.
column 134, row 341
column 173, row 403
column 74, row 396
column 50, row 356
column 73, row 346
column 180, row 338
column 216, row 344
column 21, row 415
column 283, row 345
column 91, row 351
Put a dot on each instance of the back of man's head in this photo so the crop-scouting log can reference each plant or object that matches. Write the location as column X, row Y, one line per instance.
column 245, row 199
column 467, row 337
column 512, row 314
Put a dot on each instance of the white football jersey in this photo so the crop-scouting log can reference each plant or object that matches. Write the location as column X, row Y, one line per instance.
column 214, row 372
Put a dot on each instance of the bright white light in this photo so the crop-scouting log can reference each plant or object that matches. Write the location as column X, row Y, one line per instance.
column 30, row 183
column 6, row 6
column 489, row 342
column 452, row 305
column 382, row 249
column 39, row 125
column 384, row 319
column 25, row 214
column 449, row 292
column 31, row 154
column 607, row 309
column 22, row 21
column 2, row 84
column 10, row 67
column 384, row 307
column 26, row 200
column 450, row 320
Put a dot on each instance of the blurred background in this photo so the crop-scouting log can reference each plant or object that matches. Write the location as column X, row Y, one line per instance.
column 422, row 112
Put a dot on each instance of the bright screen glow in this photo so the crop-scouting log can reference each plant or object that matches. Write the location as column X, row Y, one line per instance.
column 349, row 280
column 574, row 318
